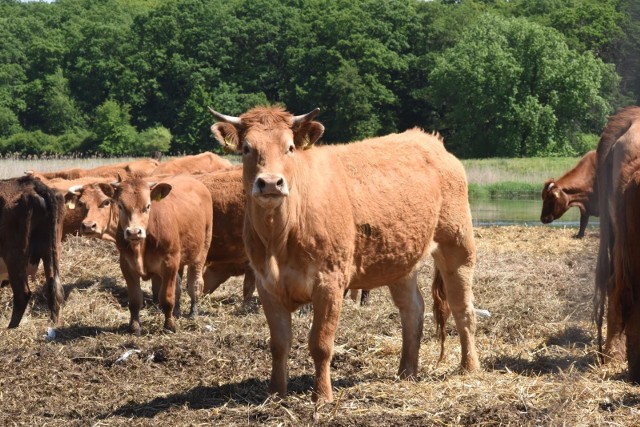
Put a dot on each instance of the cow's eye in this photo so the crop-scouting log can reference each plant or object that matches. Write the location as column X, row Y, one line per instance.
column 246, row 149
column 146, row 209
column 292, row 149
column 106, row 203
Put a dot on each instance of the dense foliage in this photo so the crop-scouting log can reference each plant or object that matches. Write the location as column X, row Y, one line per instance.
column 496, row 78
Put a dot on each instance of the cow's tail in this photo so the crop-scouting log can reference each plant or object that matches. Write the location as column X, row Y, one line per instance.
column 54, row 206
column 441, row 309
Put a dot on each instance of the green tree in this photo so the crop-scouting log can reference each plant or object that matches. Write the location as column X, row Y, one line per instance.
column 513, row 88
column 115, row 135
column 153, row 139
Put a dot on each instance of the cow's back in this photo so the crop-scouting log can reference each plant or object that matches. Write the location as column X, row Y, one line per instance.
column 200, row 163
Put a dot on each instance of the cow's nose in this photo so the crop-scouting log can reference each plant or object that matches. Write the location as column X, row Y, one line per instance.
column 134, row 233
column 546, row 219
column 89, row 226
column 271, row 185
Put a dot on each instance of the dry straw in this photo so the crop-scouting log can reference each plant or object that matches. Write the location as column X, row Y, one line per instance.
column 537, row 352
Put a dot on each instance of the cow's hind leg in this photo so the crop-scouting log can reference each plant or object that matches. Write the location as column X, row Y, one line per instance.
column 279, row 320
column 407, row 297
column 21, row 295
column 456, row 262
column 327, row 304
column 195, row 284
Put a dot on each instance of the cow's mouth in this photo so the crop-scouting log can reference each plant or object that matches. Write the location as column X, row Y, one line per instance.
column 135, row 239
column 546, row 219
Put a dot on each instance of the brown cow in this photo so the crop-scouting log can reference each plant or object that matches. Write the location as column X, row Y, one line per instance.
column 31, row 228
column 625, row 295
column 361, row 215
column 142, row 167
column 201, row 163
column 161, row 228
column 226, row 256
column 619, row 145
column 576, row 188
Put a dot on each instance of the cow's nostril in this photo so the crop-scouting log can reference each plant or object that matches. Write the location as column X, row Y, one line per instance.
column 280, row 182
column 261, row 183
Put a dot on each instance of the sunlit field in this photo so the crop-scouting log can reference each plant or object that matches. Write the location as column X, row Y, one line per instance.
column 538, row 353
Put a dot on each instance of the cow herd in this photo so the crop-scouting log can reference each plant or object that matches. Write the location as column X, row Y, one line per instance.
column 306, row 224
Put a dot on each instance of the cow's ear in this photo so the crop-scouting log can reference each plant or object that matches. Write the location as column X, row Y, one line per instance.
column 227, row 135
column 107, row 189
column 159, row 191
column 307, row 134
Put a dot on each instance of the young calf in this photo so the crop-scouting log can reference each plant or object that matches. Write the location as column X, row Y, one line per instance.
column 161, row 228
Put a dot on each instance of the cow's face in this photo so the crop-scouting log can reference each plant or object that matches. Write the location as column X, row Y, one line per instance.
column 554, row 202
column 133, row 200
column 269, row 140
column 98, row 204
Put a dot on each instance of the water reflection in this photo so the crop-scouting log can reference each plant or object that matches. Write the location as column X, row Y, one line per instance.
column 507, row 212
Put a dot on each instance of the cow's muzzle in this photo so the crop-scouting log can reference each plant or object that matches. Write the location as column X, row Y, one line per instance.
column 547, row 219
column 89, row 227
column 135, row 233
column 270, row 185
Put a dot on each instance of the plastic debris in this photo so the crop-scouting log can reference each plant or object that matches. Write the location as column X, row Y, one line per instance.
column 126, row 355
column 482, row 313
column 51, row 334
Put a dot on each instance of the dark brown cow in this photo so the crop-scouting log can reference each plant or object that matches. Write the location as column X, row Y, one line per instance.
column 361, row 215
column 625, row 296
column 619, row 145
column 201, row 163
column 226, row 256
column 576, row 188
column 142, row 167
column 31, row 217
column 161, row 228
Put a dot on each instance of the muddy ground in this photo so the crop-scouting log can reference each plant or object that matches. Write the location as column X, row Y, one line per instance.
column 538, row 352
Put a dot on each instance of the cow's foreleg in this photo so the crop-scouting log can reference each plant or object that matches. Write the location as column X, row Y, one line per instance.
column 279, row 320
column 584, row 221
column 134, row 293
column 327, row 304
column 194, row 286
column 406, row 296
column 456, row 262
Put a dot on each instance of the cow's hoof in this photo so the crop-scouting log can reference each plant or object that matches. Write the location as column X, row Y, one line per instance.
column 134, row 328
column 170, row 325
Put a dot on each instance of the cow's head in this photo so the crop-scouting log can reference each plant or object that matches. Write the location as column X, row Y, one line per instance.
column 133, row 198
column 98, row 204
column 269, row 140
column 554, row 202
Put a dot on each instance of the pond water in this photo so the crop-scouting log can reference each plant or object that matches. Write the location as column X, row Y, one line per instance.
column 508, row 212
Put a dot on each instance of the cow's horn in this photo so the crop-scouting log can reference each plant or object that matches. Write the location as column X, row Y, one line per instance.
column 306, row 117
column 550, row 186
column 223, row 118
column 76, row 190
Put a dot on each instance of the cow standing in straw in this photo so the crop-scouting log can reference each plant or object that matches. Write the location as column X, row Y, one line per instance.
column 361, row 215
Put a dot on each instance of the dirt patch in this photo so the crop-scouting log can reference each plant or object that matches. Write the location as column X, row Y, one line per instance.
column 537, row 351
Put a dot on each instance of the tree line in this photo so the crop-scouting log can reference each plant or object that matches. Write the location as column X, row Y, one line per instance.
column 496, row 78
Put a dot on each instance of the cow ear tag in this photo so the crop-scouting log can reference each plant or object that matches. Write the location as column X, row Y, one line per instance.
column 71, row 204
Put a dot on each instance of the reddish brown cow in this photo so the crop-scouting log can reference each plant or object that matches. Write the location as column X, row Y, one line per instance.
column 361, row 215
column 143, row 167
column 226, row 256
column 30, row 228
column 201, row 163
column 619, row 145
column 625, row 296
column 161, row 228
column 576, row 188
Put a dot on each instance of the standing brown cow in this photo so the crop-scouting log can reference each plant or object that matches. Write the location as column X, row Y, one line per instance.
column 161, row 228
column 31, row 217
column 625, row 296
column 619, row 145
column 226, row 256
column 576, row 188
column 361, row 215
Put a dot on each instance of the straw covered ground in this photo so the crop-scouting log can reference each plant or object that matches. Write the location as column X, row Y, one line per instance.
column 537, row 351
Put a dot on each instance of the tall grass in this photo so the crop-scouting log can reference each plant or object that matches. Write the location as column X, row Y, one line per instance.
column 513, row 178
